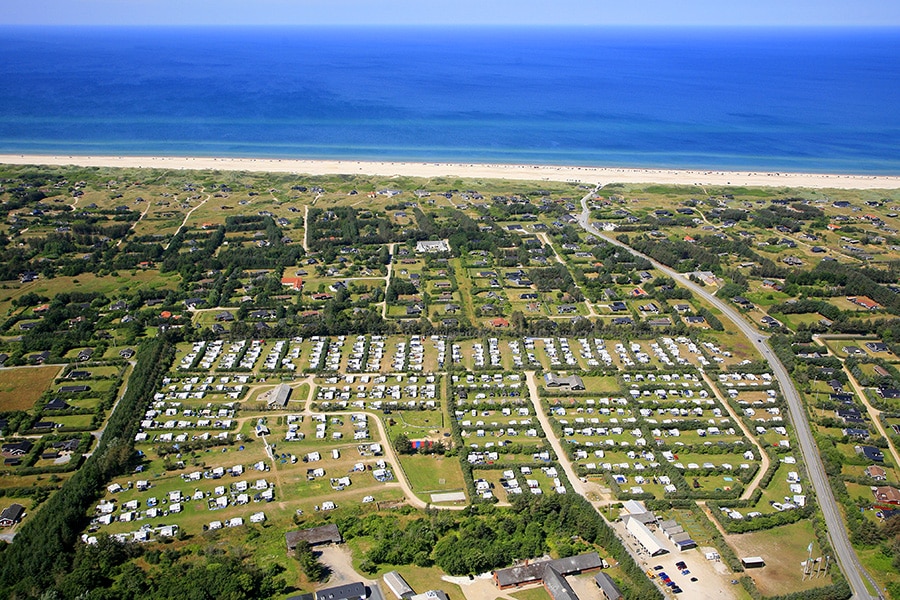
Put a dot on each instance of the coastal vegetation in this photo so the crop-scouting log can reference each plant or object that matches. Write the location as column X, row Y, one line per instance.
column 156, row 311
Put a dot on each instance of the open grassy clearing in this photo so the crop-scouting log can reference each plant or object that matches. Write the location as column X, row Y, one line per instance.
column 783, row 549
column 429, row 474
column 21, row 387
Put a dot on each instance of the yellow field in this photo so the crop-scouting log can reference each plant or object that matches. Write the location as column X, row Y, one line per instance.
column 21, row 387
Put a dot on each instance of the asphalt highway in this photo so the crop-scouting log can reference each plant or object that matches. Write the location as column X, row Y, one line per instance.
column 837, row 533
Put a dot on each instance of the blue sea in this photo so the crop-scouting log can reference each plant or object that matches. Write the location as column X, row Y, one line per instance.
column 823, row 100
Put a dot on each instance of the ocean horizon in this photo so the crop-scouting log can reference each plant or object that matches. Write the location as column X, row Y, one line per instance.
column 786, row 100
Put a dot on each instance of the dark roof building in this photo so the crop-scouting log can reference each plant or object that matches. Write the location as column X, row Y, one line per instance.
column 573, row 382
column 855, row 432
column 877, row 346
column 534, row 572
column 557, row 586
column 57, row 404
column 349, row 591
column 74, row 389
column 11, row 515
column 325, row 534
column 871, row 452
column 39, row 357
column 608, row 587
column 19, row 448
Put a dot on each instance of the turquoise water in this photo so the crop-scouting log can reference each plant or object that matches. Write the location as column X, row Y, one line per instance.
column 782, row 100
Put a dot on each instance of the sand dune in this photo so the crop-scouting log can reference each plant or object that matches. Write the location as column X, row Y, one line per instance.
column 592, row 175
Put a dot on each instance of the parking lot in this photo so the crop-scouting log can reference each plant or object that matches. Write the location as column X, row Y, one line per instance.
column 713, row 580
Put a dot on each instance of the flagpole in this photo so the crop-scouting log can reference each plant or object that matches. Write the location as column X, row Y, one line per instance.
column 808, row 570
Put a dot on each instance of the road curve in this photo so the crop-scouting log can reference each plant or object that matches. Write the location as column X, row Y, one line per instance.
column 837, row 532
column 386, row 445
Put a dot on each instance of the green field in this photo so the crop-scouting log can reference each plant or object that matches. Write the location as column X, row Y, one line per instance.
column 428, row 475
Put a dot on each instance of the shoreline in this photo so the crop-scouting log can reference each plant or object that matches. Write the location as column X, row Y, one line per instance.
column 571, row 174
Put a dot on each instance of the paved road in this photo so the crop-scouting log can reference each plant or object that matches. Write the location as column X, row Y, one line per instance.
column 837, row 533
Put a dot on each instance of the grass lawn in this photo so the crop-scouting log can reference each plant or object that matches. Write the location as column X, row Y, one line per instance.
column 879, row 565
column 535, row 593
column 783, row 549
column 794, row 320
column 428, row 474
column 766, row 297
column 300, row 393
column 74, row 421
column 20, row 388
column 602, row 385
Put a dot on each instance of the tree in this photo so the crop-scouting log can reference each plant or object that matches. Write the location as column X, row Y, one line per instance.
column 402, row 444
column 309, row 564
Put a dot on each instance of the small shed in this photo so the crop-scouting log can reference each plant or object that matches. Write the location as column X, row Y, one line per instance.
column 753, row 562
column 398, row 585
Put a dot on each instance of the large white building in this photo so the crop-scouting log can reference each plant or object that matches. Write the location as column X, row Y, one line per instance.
column 433, row 246
column 644, row 537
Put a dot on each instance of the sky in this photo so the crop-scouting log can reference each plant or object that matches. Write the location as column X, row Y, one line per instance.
column 789, row 13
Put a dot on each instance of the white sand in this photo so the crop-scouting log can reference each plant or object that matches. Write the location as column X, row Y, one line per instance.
column 593, row 175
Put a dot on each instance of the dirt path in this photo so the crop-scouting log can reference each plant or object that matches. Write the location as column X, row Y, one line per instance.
column 544, row 420
column 874, row 414
column 546, row 239
column 388, row 448
column 740, row 423
column 306, row 228
column 340, row 561
column 594, row 493
column 712, row 517
column 186, row 217
column 387, row 279
column 465, row 289
column 140, row 218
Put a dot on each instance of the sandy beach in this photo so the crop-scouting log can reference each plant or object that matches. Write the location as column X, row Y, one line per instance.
column 587, row 175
